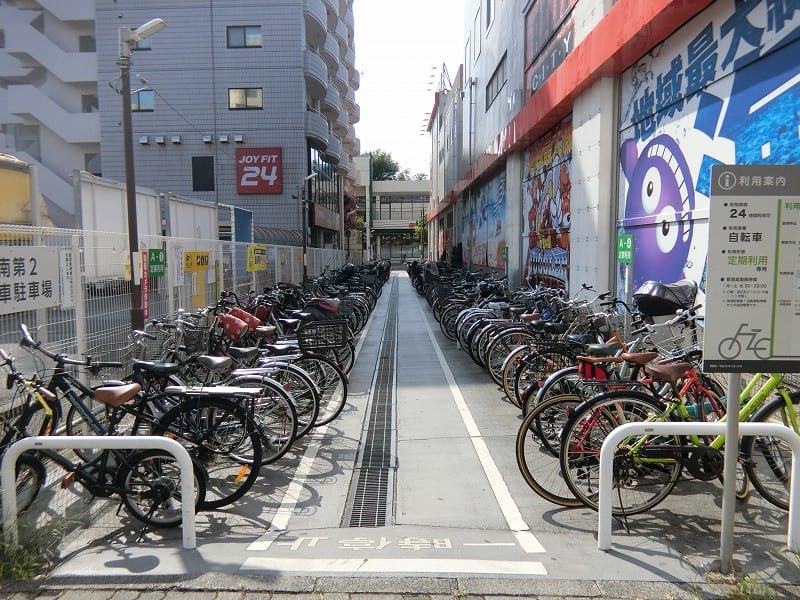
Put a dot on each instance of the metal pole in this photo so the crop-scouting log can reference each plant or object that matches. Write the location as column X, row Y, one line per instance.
column 137, row 312
column 726, row 563
column 305, row 234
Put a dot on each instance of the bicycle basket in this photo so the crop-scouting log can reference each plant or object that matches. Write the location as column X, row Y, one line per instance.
column 196, row 339
column 322, row 335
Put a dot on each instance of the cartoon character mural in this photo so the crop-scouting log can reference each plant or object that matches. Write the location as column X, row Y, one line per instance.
column 483, row 224
column 724, row 89
column 658, row 207
column 546, row 204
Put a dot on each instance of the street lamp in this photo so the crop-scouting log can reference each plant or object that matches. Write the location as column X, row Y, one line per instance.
column 127, row 38
column 305, row 224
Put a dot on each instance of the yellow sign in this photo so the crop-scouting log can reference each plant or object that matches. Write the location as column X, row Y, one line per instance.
column 256, row 257
column 195, row 262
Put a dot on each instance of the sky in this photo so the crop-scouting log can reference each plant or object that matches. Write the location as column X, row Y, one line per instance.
column 400, row 49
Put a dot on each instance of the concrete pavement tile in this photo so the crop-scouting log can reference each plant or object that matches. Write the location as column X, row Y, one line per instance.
column 397, row 585
column 656, row 590
column 531, row 587
column 79, row 594
column 126, row 595
column 389, row 594
column 229, row 596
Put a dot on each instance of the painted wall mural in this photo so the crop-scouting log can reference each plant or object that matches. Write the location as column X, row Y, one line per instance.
column 483, row 225
column 725, row 89
column 546, row 192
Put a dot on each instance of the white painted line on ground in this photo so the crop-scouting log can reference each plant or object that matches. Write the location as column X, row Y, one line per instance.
column 394, row 565
column 290, row 499
column 506, row 502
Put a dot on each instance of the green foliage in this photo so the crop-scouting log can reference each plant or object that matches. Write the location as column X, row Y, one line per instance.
column 384, row 167
column 421, row 230
column 36, row 551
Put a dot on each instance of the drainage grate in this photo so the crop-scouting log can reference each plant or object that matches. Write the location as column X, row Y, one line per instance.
column 370, row 502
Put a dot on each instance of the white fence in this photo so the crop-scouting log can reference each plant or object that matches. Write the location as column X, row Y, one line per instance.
column 48, row 281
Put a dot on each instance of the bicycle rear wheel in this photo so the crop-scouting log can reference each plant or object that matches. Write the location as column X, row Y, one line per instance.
column 643, row 477
column 223, row 439
column 537, row 449
column 768, row 459
column 332, row 384
column 150, row 486
column 30, row 475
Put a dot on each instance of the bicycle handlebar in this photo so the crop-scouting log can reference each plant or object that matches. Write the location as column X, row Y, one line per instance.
column 62, row 359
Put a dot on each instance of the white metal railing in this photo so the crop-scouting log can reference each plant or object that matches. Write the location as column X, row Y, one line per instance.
column 688, row 428
column 123, row 442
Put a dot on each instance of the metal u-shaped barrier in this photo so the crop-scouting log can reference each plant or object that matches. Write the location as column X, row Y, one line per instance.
column 123, row 442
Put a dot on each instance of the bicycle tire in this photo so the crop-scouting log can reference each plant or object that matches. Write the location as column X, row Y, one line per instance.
column 150, row 486
column 563, row 381
column 768, row 460
column 218, row 434
column 509, row 369
column 582, row 439
column 276, row 418
column 29, row 476
column 537, row 449
column 503, row 344
column 332, row 384
column 301, row 389
column 536, row 367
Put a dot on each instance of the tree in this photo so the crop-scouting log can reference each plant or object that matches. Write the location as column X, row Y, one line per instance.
column 420, row 177
column 384, row 167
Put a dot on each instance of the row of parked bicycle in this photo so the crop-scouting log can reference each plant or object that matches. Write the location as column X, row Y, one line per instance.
column 237, row 384
column 575, row 375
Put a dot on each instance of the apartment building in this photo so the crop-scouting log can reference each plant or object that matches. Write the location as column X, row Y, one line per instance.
column 249, row 103
column 49, row 109
column 243, row 102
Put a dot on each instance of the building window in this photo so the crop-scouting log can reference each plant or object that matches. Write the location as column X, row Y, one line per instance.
column 87, row 43
column 202, row 173
column 496, row 82
column 2, row 39
column 143, row 101
column 92, row 164
column 244, row 36
column 489, row 12
column 245, row 99
column 89, row 103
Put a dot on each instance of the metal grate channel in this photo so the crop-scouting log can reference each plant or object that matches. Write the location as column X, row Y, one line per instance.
column 370, row 502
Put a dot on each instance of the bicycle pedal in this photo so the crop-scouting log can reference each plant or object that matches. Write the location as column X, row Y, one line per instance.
column 67, row 480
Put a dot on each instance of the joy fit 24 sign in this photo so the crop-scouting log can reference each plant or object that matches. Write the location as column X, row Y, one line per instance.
column 258, row 171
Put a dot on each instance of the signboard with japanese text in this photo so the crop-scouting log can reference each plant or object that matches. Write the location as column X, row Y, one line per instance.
column 625, row 249
column 258, row 171
column 145, row 289
column 29, row 278
column 196, row 262
column 753, row 284
column 156, row 258
column 256, row 257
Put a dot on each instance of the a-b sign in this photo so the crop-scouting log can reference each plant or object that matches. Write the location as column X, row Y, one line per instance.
column 194, row 262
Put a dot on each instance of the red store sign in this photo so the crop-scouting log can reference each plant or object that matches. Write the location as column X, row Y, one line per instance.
column 258, row 171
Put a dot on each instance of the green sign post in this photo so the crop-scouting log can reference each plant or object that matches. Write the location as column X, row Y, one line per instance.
column 625, row 249
column 158, row 260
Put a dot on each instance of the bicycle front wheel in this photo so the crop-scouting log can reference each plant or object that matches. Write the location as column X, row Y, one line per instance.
column 150, row 486
column 220, row 436
column 537, row 449
column 30, row 476
column 768, row 459
column 644, row 473
column 332, row 384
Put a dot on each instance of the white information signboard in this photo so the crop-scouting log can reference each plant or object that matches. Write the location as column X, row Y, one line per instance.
column 28, row 278
column 753, row 278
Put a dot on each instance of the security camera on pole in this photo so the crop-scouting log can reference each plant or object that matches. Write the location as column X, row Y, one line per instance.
column 127, row 38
